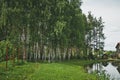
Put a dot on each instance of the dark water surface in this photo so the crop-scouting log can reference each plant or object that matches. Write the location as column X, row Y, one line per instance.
column 109, row 68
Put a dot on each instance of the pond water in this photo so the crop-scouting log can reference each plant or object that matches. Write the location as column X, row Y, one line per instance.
column 109, row 68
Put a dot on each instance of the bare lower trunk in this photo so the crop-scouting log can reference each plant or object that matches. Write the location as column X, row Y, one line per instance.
column 59, row 54
column 53, row 55
column 13, row 57
column 64, row 53
column 18, row 57
column 24, row 54
column 69, row 53
column 7, row 57
column 49, row 55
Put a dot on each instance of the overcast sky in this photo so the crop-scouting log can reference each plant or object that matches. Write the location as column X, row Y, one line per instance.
column 109, row 10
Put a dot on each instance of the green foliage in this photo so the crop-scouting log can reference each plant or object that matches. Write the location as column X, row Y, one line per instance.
column 43, row 28
column 110, row 52
column 3, row 45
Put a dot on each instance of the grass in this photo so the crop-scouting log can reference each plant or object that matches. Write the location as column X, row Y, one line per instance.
column 68, row 70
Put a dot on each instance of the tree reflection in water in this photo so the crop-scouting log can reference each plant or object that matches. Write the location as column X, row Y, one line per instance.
column 118, row 68
column 115, row 63
column 110, row 68
column 104, row 64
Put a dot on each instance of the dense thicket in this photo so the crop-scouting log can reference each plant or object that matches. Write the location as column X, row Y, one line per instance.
column 50, row 30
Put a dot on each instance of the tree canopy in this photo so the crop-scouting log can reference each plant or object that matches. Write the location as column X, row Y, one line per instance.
column 49, row 29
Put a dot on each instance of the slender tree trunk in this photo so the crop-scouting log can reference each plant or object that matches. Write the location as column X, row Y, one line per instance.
column 13, row 56
column 59, row 54
column 7, row 57
column 18, row 56
column 64, row 53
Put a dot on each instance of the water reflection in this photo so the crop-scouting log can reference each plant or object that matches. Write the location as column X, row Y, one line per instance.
column 104, row 63
column 118, row 68
column 115, row 63
column 110, row 68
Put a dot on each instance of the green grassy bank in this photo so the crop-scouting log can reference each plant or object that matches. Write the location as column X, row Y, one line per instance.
column 68, row 70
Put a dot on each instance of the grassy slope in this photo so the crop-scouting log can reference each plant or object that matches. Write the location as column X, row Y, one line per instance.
column 69, row 70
